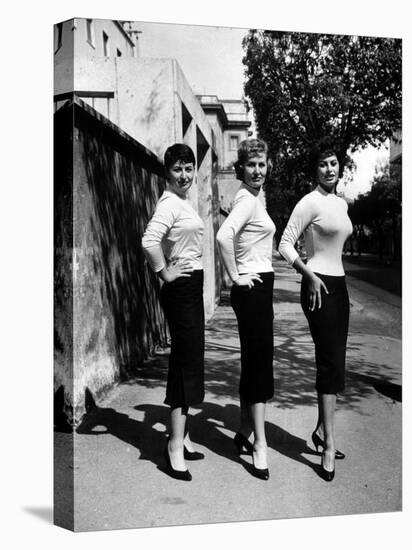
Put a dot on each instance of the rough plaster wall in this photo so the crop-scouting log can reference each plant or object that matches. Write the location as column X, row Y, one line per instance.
column 63, row 263
column 63, row 75
column 115, row 314
column 219, row 143
column 145, row 93
column 206, row 188
column 204, row 176
column 118, row 321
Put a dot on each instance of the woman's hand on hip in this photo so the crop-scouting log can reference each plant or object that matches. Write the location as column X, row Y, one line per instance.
column 248, row 280
column 175, row 270
column 315, row 292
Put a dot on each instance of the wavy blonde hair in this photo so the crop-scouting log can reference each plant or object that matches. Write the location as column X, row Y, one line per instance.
column 250, row 148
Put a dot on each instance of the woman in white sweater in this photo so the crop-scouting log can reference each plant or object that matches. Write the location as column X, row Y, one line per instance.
column 321, row 216
column 246, row 244
column 172, row 244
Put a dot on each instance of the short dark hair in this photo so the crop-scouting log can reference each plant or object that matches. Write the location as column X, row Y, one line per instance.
column 249, row 148
column 178, row 151
column 325, row 147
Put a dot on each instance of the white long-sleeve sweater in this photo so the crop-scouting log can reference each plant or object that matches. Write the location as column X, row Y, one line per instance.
column 174, row 233
column 246, row 236
column 323, row 219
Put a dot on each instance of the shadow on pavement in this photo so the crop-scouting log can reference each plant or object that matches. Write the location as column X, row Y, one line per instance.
column 208, row 425
column 294, row 366
column 393, row 391
column 283, row 296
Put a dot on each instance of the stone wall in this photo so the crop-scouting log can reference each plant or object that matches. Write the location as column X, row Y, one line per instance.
column 107, row 313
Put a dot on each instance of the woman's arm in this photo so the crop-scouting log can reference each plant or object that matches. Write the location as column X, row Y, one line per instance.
column 299, row 220
column 314, row 282
column 237, row 219
column 161, row 222
column 167, row 273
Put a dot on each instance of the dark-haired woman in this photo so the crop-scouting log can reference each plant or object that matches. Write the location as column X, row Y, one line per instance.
column 172, row 244
column 321, row 216
column 246, row 245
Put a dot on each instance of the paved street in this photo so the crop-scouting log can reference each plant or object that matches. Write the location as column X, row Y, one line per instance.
column 119, row 468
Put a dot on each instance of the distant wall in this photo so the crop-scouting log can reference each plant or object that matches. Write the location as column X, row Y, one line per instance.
column 107, row 312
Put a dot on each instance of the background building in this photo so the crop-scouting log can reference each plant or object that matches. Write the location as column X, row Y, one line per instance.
column 138, row 106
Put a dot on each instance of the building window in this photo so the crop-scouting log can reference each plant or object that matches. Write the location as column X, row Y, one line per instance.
column 233, row 142
column 90, row 31
column 119, row 53
column 58, row 36
column 105, row 44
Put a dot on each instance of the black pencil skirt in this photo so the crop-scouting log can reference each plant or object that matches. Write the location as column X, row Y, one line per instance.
column 329, row 329
column 182, row 301
column 254, row 312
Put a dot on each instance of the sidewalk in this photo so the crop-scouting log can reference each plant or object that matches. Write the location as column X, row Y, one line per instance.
column 119, row 468
column 385, row 274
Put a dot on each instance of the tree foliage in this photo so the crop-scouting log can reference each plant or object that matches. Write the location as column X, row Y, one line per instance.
column 380, row 210
column 304, row 87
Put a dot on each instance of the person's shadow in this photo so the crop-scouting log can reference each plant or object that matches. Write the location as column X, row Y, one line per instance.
column 204, row 430
column 291, row 446
column 208, row 425
column 139, row 434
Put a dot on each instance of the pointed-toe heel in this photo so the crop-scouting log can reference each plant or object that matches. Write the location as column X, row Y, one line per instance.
column 181, row 475
column 192, row 455
column 327, row 475
column 242, row 443
column 319, row 443
column 261, row 473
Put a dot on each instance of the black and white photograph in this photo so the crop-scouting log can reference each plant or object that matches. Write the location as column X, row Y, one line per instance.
column 211, row 320
column 228, row 221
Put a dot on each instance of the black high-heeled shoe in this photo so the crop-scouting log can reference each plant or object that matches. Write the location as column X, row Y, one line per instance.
column 318, row 442
column 176, row 474
column 261, row 473
column 242, row 442
column 327, row 475
column 192, row 455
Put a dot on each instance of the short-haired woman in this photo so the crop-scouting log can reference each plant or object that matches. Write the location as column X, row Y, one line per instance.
column 172, row 243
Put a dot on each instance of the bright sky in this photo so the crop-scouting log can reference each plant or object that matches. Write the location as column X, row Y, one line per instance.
column 211, row 59
column 366, row 161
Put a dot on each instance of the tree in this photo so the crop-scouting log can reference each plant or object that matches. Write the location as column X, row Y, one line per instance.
column 380, row 210
column 304, row 87
column 358, row 213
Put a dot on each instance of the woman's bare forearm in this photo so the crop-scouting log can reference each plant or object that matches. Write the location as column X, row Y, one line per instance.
column 303, row 269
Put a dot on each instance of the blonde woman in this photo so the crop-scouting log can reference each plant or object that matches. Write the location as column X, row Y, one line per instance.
column 246, row 243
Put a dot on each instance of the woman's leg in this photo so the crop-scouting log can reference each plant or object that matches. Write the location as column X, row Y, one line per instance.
column 328, row 408
column 319, row 424
column 178, row 416
column 257, row 411
column 187, row 441
column 246, row 423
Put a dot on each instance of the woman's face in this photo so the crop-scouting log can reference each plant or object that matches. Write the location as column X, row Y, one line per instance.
column 180, row 177
column 328, row 172
column 255, row 170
